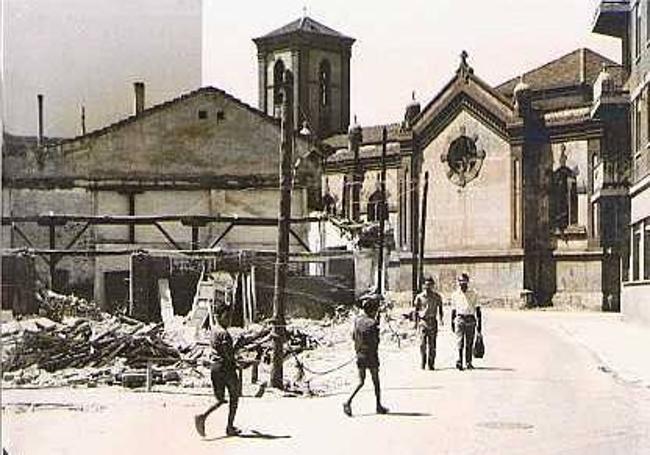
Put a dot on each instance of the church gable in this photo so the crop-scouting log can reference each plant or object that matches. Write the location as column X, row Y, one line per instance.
column 471, row 187
column 464, row 92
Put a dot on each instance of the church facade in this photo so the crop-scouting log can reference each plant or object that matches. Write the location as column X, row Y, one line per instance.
column 516, row 192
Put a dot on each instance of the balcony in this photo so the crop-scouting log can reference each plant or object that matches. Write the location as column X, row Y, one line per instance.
column 609, row 179
column 608, row 92
column 611, row 17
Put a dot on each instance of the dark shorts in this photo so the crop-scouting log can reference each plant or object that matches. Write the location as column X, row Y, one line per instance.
column 368, row 361
column 224, row 377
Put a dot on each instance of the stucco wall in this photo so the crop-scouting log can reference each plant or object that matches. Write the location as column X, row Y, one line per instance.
column 498, row 282
column 640, row 205
column 579, row 283
column 635, row 302
column 478, row 216
column 231, row 141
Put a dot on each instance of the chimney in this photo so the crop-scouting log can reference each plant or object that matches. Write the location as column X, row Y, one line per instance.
column 583, row 66
column 83, row 120
column 139, row 97
column 39, row 97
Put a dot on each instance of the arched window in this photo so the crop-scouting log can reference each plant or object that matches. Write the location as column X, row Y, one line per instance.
column 278, row 74
column 324, row 94
column 564, row 198
column 324, row 76
column 377, row 207
column 329, row 204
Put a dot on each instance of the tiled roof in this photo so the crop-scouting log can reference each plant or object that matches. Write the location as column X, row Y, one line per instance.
column 365, row 152
column 371, row 135
column 564, row 71
column 307, row 25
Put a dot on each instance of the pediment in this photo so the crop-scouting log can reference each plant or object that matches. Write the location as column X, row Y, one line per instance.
column 464, row 92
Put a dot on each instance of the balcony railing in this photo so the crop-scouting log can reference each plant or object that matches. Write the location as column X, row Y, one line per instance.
column 609, row 174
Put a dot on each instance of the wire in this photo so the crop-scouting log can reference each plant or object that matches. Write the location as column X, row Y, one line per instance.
column 302, row 365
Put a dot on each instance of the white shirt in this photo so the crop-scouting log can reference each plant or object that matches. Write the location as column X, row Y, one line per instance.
column 464, row 302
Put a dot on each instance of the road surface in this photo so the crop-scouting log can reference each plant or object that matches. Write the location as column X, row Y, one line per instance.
column 537, row 391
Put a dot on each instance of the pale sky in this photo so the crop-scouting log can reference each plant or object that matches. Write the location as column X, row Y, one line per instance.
column 91, row 51
column 404, row 45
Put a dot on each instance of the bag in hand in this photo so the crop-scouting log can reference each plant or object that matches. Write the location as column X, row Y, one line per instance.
column 479, row 347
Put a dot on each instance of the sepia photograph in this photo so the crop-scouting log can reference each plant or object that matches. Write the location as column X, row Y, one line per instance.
column 325, row 227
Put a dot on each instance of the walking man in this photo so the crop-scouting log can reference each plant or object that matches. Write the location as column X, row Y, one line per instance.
column 428, row 306
column 465, row 319
column 366, row 344
column 224, row 369
column 223, row 374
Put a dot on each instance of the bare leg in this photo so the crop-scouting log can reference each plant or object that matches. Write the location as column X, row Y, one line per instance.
column 362, row 380
column 218, row 389
column 233, row 395
column 374, row 374
column 347, row 405
column 212, row 408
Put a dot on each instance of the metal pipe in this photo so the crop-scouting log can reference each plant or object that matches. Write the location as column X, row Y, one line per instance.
column 40, row 139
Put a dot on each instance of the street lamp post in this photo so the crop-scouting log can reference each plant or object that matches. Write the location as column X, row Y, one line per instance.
column 286, row 179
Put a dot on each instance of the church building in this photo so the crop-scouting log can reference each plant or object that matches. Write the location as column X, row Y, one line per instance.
column 516, row 193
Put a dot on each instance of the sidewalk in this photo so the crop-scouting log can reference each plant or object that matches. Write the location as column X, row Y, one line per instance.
column 620, row 348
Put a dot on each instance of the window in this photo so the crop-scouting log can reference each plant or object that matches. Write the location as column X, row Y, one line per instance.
column 636, row 252
column 647, row 114
column 595, row 220
column 324, row 83
column 278, row 75
column 203, row 114
column 637, row 122
column 377, row 207
column 329, row 204
column 345, row 197
column 324, row 94
column 646, row 250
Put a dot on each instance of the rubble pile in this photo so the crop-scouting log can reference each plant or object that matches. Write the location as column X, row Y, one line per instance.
column 118, row 350
column 57, row 306
column 81, row 342
column 115, row 349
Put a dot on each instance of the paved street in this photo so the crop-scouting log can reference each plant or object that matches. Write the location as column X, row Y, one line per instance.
column 540, row 390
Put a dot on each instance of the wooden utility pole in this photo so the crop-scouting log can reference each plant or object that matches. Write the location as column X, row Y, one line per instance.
column 382, row 212
column 286, row 171
column 423, row 229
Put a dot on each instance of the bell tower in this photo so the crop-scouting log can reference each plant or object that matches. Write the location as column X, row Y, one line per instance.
column 319, row 58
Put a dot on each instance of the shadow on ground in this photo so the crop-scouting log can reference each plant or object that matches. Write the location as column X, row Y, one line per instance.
column 250, row 434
